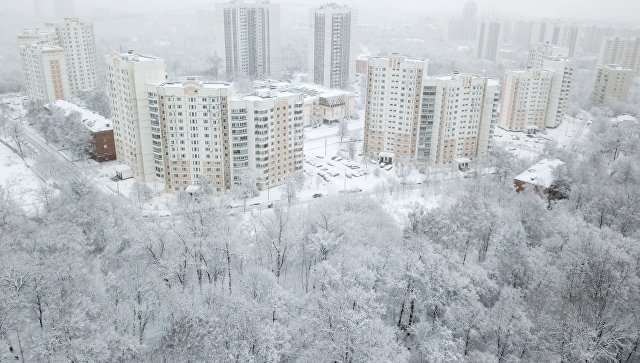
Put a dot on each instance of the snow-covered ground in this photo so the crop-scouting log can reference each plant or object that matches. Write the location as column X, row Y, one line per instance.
column 530, row 147
column 17, row 178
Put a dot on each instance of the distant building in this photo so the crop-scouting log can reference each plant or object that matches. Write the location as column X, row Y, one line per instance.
column 623, row 51
column 465, row 28
column 540, row 176
column 45, row 72
column 101, row 129
column 361, row 65
column 392, row 106
column 248, row 39
column 489, row 40
column 64, row 8
column 612, row 84
column 332, row 53
column 128, row 75
column 76, row 39
column 593, row 38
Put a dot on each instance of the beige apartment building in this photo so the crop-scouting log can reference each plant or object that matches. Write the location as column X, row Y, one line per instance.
column 392, row 106
column 458, row 116
column 612, row 84
column 45, row 73
column 525, row 99
column 128, row 75
column 623, row 51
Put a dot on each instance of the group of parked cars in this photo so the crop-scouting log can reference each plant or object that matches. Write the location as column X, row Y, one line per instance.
column 328, row 170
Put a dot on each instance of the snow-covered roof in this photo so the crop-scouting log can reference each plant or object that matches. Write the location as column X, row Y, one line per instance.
column 121, row 168
column 93, row 121
column 540, row 174
column 624, row 118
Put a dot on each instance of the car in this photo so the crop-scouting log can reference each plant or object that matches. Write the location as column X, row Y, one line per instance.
column 324, row 168
column 529, row 136
column 317, row 195
column 334, row 174
column 330, row 163
column 334, row 157
column 349, row 176
column 512, row 149
column 382, row 165
column 339, row 158
column 270, row 205
column 254, row 204
column 319, row 157
column 388, row 167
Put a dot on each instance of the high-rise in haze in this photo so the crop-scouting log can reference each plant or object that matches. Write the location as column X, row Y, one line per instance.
column 489, row 40
column 612, row 84
column 465, row 28
column 622, row 51
column 248, row 39
column 128, row 75
column 332, row 51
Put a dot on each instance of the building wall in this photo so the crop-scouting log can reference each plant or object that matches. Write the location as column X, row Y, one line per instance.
column 392, row 107
column 489, row 40
column 249, row 39
column 332, row 52
column 104, row 146
column 128, row 75
column 622, row 51
column 612, row 84
column 78, row 40
column 45, row 72
column 525, row 99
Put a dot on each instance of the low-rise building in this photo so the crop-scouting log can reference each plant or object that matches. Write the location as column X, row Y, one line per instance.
column 103, row 144
column 540, row 176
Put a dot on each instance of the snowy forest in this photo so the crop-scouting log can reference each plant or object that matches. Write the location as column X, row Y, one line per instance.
column 489, row 275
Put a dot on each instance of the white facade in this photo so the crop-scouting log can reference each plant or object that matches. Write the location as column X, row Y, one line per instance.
column 128, row 75
column 612, row 84
column 543, row 51
column 624, row 52
column 190, row 133
column 78, row 40
column 266, row 136
column 332, row 59
column 458, row 117
column 248, row 39
column 45, row 73
column 489, row 40
column 562, row 69
column 525, row 99
column 392, row 106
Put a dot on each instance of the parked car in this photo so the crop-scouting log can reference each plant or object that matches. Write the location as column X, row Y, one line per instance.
column 389, row 167
column 317, row 195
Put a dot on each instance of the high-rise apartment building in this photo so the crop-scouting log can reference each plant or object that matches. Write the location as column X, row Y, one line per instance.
column 525, row 99
column 128, row 75
column 593, row 38
column 267, row 132
column 458, row 116
column 202, row 132
column 77, row 39
column 568, row 38
column 612, row 84
column 190, row 133
column 489, row 40
column 332, row 54
column 465, row 28
column 392, row 106
column 622, row 51
column 543, row 51
column 248, row 40
column 45, row 72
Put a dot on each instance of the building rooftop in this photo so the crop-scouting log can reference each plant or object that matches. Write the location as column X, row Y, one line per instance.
column 93, row 121
column 540, row 174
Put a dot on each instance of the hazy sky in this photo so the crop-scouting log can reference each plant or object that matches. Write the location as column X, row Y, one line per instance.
column 627, row 10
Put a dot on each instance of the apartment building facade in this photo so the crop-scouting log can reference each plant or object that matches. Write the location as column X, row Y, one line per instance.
column 128, row 75
column 458, row 116
column 612, row 84
column 488, row 40
column 45, row 73
column 392, row 106
column 525, row 99
column 622, row 51
column 332, row 59
column 248, row 40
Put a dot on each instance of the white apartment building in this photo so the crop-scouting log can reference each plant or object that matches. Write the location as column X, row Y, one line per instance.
column 525, row 99
column 45, row 72
column 248, row 39
column 332, row 59
column 266, row 136
column 78, row 41
column 392, row 106
column 562, row 69
column 593, row 37
column 190, row 134
column 540, row 52
column 459, row 114
column 489, row 40
column 612, row 84
column 623, row 51
column 128, row 75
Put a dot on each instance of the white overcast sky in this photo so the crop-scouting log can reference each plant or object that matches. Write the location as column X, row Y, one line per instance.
column 610, row 10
